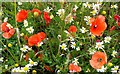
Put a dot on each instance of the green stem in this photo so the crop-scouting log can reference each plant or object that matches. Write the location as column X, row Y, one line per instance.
column 17, row 30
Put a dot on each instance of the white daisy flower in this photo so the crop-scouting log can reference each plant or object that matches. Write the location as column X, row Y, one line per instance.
column 73, row 44
column 69, row 18
column 103, row 69
column 96, row 6
column 115, row 69
column 18, row 69
column 94, row 12
column 26, row 68
column 91, row 51
column 78, row 48
column 83, row 30
column 75, row 61
column 30, row 29
column 1, row 59
column 86, row 5
column 87, row 18
column 25, row 48
column 48, row 9
column 32, row 63
column 75, row 8
column 107, row 39
column 61, row 12
column 5, row 19
column 99, row 45
column 25, row 23
column 114, row 53
column 19, row 3
column 63, row 46
column 114, row 6
column 71, row 38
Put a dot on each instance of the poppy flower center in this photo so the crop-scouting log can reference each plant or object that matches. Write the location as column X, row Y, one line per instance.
column 95, row 26
column 99, row 60
column 7, row 30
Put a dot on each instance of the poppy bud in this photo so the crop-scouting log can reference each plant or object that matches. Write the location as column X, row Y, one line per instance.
column 36, row 14
column 97, row 40
column 104, row 12
column 113, row 28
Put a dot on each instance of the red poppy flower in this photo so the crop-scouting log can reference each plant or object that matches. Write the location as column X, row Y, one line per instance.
column 47, row 18
column 98, row 25
column 98, row 60
column 42, row 35
column 21, row 15
column 36, row 12
column 4, row 28
column 117, row 18
column 33, row 40
column 36, row 38
column 72, row 29
column 74, row 68
column 8, row 32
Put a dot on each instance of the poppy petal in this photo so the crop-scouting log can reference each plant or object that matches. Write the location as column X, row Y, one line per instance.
column 6, row 35
column 41, row 35
column 4, row 28
column 12, row 31
column 32, row 40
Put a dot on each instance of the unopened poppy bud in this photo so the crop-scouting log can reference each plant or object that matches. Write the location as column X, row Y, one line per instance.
column 16, row 65
column 34, row 71
column 9, row 45
column 104, row 12
column 110, row 64
column 36, row 14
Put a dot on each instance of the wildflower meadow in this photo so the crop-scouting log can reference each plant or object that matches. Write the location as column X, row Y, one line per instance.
column 60, row 37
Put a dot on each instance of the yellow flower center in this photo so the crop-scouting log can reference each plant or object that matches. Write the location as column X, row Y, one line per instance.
column 24, row 48
column 99, row 45
column 115, row 68
column 63, row 46
column 25, row 69
column 16, row 65
column 31, row 62
column 74, row 44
